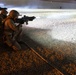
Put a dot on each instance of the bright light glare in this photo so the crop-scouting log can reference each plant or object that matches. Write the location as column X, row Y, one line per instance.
column 61, row 15
column 65, row 32
column 62, row 25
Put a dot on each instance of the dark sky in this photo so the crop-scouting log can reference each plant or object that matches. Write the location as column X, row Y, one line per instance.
column 19, row 3
column 15, row 2
column 41, row 4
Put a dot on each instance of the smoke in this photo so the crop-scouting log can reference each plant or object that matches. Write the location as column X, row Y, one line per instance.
column 15, row 2
column 24, row 3
column 20, row 3
column 38, row 4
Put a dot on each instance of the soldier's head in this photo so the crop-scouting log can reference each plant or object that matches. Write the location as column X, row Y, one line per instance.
column 14, row 14
column 4, row 12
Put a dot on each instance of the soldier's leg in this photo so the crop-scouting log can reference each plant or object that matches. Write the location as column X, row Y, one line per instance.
column 12, row 43
column 16, row 46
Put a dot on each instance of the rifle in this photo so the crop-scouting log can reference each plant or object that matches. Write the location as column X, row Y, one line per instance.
column 25, row 19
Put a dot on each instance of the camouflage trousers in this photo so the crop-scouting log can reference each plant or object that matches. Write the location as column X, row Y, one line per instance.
column 11, row 41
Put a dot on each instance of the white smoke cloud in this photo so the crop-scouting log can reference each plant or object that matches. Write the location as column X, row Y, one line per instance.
column 20, row 3
column 14, row 2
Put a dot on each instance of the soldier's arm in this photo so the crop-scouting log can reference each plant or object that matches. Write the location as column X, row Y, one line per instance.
column 11, row 24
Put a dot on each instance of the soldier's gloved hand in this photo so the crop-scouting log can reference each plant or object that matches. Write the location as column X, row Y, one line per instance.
column 20, row 25
column 21, row 22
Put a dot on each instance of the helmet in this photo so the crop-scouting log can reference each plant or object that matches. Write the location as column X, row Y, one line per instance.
column 14, row 13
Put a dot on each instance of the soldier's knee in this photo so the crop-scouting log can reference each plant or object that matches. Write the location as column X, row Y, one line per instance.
column 15, row 48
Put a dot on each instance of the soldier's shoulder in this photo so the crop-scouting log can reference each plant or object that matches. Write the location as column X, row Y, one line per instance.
column 7, row 19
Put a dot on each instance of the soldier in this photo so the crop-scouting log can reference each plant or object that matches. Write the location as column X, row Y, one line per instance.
column 3, row 15
column 11, row 30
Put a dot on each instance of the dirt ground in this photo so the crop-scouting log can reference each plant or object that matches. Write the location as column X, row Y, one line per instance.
column 26, row 62
column 23, row 62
